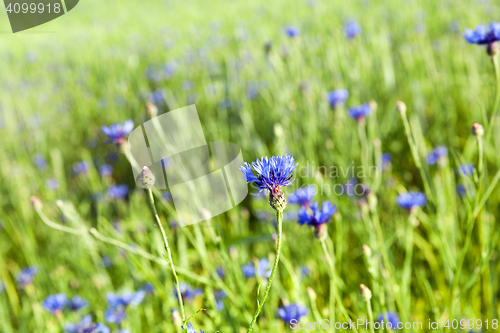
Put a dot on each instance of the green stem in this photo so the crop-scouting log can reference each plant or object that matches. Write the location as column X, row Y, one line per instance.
column 409, row 258
column 494, row 112
column 279, row 218
column 333, row 285
column 370, row 315
column 169, row 256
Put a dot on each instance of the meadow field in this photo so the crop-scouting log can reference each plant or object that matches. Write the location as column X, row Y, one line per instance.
column 388, row 111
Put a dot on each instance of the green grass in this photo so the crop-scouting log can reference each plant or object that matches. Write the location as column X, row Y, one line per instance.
column 100, row 51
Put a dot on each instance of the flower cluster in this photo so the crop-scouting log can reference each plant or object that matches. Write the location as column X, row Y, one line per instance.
column 290, row 312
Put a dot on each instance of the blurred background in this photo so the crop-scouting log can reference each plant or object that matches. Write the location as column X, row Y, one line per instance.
column 259, row 74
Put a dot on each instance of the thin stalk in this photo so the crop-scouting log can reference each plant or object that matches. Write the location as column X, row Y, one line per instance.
column 169, row 255
column 279, row 218
column 333, row 285
column 409, row 257
column 494, row 112
column 370, row 315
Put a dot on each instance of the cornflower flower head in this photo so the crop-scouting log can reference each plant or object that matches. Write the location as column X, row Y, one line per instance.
column 55, row 303
column 221, row 272
column 337, row 97
column 148, row 288
column 190, row 328
column 315, row 217
column 187, row 292
column 262, row 270
column 305, row 271
column 290, row 312
column 106, row 170
column 25, row 276
column 360, row 112
column 87, row 326
column 125, row 299
column 272, row 174
column 386, row 161
column 303, row 196
column 437, row 155
column 465, row 169
column 351, row 29
column 52, row 184
column 116, row 133
column 115, row 315
column 40, row 162
column 219, row 296
column 389, row 318
column 292, row 31
column 464, row 191
column 410, row 200
column 117, row 191
column 81, row 168
column 485, row 36
column 76, row 303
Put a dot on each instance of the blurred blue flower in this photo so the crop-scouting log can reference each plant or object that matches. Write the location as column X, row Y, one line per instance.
column 55, row 303
column 389, row 317
column 106, row 262
column 190, row 328
column 271, row 173
column 360, row 112
column 386, row 161
column 125, row 299
column 462, row 191
column 219, row 296
column 262, row 271
column 148, row 287
column 293, row 311
column 86, row 326
column 117, row 132
column 157, row 96
column 40, row 162
column 220, row 272
column 117, row 191
column 437, row 155
column 351, row 29
column 465, row 169
column 314, row 217
column 170, row 68
column 410, row 200
column 81, row 168
column 303, row 196
column 106, row 170
column 337, row 97
column 115, row 315
column 187, row 292
column 166, row 196
column 2, row 287
column 25, row 276
column 292, row 31
column 482, row 35
column 305, row 271
column 76, row 303
column 52, row 184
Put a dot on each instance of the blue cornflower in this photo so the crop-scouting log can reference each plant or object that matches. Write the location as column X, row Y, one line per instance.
column 271, row 173
column 315, row 217
column 386, row 161
column 117, row 191
column 390, row 318
column 148, row 287
column 81, row 168
column 262, row 271
column 55, row 303
column 293, row 311
column 190, row 328
column 221, row 273
column 305, row 271
column 409, row 200
column 482, row 35
column 303, row 196
column 462, row 191
column 115, row 315
column 351, row 29
column 158, row 96
column 437, row 155
column 76, row 303
column 166, row 196
column 86, row 326
column 187, row 292
column 117, row 132
column 125, row 299
column 219, row 296
column 40, row 162
column 52, row 184
column 360, row 112
column 25, row 277
column 292, row 31
column 465, row 169
column 106, row 170
column 337, row 97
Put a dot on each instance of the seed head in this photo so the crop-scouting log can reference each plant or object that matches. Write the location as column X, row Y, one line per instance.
column 146, row 178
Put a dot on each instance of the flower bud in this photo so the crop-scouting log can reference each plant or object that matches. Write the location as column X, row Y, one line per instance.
column 365, row 292
column 277, row 199
column 146, row 178
column 311, row 293
column 367, row 251
column 493, row 49
column 477, row 130
column 36, row 203
column 151, row 110
column 401, row 107
column 373, row 105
